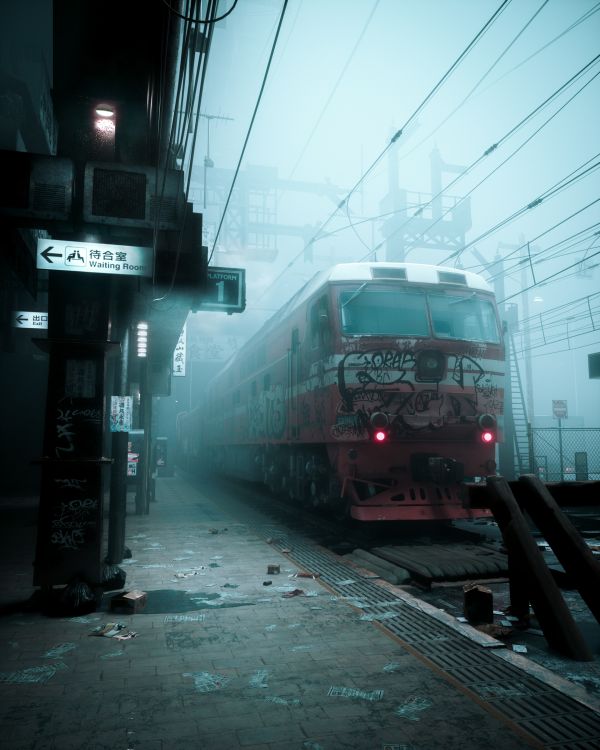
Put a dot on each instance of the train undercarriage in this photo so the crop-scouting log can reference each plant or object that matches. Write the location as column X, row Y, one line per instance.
column 315, row 476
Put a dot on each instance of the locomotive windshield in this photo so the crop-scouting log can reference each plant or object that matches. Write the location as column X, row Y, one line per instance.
column 402, row 312
column 458, row 317
column 384, row 312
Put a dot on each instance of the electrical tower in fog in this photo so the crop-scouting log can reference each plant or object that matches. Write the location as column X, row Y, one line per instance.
column 411, row 225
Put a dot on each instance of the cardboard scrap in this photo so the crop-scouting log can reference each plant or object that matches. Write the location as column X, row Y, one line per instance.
column 129, row 602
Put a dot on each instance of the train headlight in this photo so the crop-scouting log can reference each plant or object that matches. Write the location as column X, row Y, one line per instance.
column 430, row 366
column 380, row 423
column 487, row 425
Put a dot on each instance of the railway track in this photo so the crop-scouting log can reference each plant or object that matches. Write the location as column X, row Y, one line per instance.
column 424, row 554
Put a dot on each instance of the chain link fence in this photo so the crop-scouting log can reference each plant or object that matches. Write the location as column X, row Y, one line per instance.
column 566, row 453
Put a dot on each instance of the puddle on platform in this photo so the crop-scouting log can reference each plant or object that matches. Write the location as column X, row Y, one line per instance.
column 166, row 601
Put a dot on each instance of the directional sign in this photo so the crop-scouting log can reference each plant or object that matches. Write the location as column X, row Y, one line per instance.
column 29, row 319
column 94, row 257
column 225, row 290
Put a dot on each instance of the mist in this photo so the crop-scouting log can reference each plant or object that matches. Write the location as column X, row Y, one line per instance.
column 505, row 96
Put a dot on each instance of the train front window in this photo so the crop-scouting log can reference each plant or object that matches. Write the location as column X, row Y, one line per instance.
column 468, row 318
column 367, row 311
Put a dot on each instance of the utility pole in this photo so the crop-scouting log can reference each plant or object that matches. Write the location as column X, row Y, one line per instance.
column 208, row 162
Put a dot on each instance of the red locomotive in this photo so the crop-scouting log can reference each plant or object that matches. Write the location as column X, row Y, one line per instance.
column 377, row 391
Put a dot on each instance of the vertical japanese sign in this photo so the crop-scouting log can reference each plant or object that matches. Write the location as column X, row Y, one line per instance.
column 179, row 354
column 121, row 410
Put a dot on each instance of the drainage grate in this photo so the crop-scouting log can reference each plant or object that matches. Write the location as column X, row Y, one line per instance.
column 548, row 715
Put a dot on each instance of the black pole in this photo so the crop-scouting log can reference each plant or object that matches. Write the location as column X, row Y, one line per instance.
column 560, row 450
column 118, row 498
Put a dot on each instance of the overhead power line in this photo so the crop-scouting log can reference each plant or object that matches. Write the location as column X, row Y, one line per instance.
column 247, row 138
column 335, row 88
column 588, row 14
column 492, row 148
column 398, row 134
column 548, row 278
column 200, row 71
column 550, row 192
column 194, row 19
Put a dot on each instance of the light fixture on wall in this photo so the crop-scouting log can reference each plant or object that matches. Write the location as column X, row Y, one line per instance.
column 104, row 110
column 142, row 339
column 104, row 120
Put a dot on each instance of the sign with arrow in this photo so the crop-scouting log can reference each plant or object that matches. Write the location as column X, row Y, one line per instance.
column 94, row 257
column 30, row 319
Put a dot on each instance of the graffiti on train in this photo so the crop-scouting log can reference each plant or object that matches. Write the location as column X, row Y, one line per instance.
column 384, row 380
column 267, row 413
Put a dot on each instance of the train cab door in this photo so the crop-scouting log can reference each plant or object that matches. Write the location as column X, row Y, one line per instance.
column 294, row 379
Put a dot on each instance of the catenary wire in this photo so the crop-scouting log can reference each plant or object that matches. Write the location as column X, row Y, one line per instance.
column 334, row 89
column 202, row 65
column 200, row 20
column 550, row 229
column 562, row 251
column 545, row 281
column 546, row 195
column 398, row 134
column 172, row 132
column 588, row 14
column 493, row 148
column 247, row 138
column 474, row 89
column 512, row 154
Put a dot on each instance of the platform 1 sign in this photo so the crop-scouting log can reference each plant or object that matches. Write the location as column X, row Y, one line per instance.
column 225, row 290
column 94, row 257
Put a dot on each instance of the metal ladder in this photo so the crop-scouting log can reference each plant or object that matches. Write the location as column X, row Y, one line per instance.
column 521, row 426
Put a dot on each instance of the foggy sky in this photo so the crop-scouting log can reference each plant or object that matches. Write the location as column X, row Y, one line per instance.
column 317, row 124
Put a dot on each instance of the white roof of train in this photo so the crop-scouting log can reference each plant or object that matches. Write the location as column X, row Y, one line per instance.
column 415, row 272
column 419, row 273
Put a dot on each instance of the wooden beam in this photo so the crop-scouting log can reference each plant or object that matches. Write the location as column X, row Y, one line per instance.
column 566, row 542
column 534, row 577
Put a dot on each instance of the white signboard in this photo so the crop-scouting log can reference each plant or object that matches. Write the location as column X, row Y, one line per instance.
column 30, row 319
column 179, row 355
column 94, row 257
column 121, row 410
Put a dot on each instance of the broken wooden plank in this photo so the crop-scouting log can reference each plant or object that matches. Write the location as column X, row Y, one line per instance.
column 530, row 576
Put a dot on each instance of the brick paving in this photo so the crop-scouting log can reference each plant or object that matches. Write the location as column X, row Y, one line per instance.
column 220, row 661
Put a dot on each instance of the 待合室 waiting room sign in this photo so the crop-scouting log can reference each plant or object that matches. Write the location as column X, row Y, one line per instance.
column 94, row 257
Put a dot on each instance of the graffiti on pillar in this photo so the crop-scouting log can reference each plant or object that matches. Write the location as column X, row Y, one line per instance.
column 78, row 428
column 74, row 513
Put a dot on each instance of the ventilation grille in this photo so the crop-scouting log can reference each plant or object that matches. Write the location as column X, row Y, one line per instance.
column 388, row 273
column 35, row 186
column 48, row 197
column 129, row 195
column 120, row 195
column 448, row 277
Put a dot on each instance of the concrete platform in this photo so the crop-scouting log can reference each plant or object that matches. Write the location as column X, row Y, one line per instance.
column 220, row 660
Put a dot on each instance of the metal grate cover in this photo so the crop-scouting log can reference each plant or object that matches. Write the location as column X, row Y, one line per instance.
column 551, row 717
